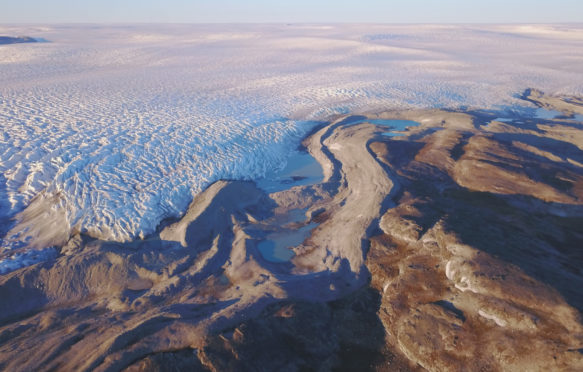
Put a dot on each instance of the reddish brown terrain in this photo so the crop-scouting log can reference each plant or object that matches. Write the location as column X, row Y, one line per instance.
column 455, row 247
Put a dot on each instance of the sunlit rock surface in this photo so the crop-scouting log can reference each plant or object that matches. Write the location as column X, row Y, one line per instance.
column 455, row 246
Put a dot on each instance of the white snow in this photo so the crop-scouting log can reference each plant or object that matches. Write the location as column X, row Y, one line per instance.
column 119, row 126
column 386, row 286
column 498, row 321
column 449, row 272
column 465, row 285
column 31, row 257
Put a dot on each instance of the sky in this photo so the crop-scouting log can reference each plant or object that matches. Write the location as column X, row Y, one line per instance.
column 307, row 11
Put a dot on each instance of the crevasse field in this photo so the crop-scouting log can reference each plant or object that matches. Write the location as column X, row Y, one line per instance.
column 107, row 130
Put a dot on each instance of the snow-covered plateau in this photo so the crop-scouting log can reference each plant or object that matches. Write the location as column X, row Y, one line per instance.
column 109, row 129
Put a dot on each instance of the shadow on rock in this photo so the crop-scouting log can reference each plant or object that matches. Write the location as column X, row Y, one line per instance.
column 341, row 335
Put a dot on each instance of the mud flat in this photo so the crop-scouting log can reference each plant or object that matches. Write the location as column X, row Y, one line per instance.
column 453, row 246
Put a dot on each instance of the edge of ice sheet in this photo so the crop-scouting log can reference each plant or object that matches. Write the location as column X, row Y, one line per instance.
column 108, row 130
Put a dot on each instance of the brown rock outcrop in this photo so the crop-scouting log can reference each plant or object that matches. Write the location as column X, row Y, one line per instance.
column 456, row 247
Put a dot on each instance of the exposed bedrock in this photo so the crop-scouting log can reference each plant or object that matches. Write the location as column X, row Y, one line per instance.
column 479, row 262
column 456, row 247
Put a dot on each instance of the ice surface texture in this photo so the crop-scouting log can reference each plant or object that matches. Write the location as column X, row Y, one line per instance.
column 109, row 129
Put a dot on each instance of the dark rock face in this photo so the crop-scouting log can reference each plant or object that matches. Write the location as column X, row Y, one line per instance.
column 342, row 335
column 16, row 40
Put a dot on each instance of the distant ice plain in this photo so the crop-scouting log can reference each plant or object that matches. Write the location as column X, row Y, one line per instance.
column 107, row 130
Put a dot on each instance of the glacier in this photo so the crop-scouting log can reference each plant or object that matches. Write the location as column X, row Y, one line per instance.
column 109, row 129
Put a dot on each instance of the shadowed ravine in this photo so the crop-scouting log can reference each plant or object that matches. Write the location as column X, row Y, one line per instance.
column 453, row 247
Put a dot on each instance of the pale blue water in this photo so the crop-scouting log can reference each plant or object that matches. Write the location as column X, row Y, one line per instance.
column 277, row 247
column 301, row 170
column 395, row 125
column 542, row 113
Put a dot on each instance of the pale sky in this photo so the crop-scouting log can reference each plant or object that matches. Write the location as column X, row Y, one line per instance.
column 316, row 11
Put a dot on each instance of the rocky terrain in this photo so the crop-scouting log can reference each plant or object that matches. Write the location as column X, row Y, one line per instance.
column 454, row 247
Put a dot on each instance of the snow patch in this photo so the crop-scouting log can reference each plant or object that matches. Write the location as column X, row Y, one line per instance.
column 23, row 259
column 465, row 285
column 498, row 321
column 449, row 272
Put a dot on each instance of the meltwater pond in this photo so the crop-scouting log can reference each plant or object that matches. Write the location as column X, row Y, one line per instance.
column 539, row 113
column 301, row 169
column 396, row 126
column 542, row 113
column 276, row 247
